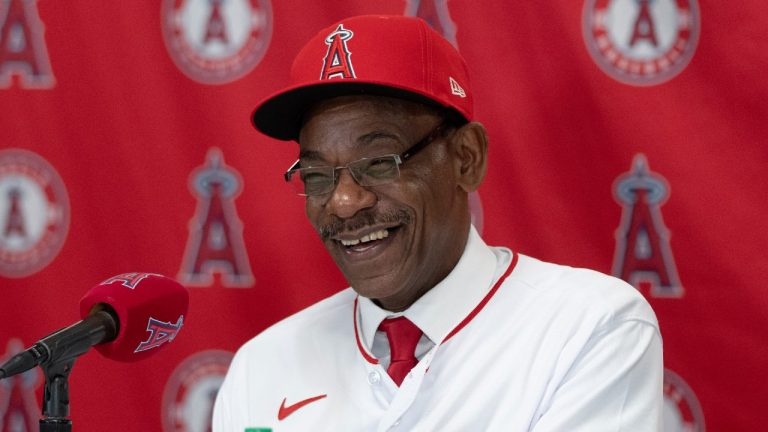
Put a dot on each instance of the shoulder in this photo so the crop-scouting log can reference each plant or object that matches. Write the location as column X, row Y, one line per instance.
column 327, row 319
column 578, row 292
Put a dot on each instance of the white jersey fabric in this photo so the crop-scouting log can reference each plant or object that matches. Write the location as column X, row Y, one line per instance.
column 510, row 344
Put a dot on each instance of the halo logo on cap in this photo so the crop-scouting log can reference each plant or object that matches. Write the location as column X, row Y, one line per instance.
column 337, row 62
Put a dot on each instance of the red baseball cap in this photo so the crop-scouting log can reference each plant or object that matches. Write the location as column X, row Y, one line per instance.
column 393, row 55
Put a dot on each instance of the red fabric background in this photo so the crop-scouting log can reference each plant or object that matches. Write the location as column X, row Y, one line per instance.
column 125, row 128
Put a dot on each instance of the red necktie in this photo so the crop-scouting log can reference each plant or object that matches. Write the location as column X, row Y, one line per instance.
column 403, row 336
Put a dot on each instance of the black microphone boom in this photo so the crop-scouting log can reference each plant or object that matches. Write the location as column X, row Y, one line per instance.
column 66, row 344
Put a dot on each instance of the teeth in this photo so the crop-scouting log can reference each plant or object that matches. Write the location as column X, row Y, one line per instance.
column 377, row 235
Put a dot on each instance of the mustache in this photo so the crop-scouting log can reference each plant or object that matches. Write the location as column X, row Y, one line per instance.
column 363, row 219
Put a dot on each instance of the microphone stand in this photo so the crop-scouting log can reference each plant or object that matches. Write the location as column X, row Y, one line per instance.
column 56, row 396
column 61, row 357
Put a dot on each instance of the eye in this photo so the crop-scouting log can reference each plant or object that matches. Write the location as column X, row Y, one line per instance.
column 314, row 176
column 380, row 166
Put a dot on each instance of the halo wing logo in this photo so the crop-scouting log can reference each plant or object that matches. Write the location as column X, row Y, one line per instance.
column 643, row 254
column 191, row 391
column 641, row 42
column 337, row 62
column 216, row 41
column 215, row 244
column 34, row 213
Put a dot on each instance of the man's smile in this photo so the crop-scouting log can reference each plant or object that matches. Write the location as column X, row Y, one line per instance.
column 366, row 243
column 376, row 235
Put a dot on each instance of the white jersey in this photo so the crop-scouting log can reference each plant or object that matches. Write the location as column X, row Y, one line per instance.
column 510, row 344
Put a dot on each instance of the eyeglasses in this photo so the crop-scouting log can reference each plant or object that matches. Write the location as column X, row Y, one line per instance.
column 375, row 171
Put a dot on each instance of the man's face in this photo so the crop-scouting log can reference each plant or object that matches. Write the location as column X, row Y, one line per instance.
column 393, row 242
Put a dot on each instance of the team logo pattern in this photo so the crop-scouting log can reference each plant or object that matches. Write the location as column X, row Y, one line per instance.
column 191, row 391
column 216, row 41
column 643, row 256
column 34, row 213
column 160, row 332
column 682, row 411
column 641, row 42
column 436, row 14
column 22, row 46
column 337, row 62
column 215, row 244
column 19, row 410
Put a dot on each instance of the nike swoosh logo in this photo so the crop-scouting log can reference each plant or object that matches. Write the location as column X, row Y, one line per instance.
column 285, row 411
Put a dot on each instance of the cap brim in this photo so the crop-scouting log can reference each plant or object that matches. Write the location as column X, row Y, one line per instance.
column 280, row 115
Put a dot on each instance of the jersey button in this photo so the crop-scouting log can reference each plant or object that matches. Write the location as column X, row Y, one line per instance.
column 374, row 378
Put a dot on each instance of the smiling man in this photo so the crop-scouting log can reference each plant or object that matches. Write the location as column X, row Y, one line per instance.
column 438, row 331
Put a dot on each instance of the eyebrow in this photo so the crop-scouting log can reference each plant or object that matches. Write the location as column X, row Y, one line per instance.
column 310, row 154
column 364, row 139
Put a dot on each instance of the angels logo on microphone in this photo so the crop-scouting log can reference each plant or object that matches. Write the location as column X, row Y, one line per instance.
column 19, row 410
column 22, row 46
column 216, row 41
column 641, row 42
column 160, row 333
column 643, row 255
column 191, row 391
column 34, row 213
column 128, row 280
column 215, row 244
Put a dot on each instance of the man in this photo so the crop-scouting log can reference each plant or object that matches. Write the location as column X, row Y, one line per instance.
column 438, row 332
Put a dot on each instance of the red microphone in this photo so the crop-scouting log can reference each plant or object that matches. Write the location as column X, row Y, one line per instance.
column 149, row 309
column 127, row 317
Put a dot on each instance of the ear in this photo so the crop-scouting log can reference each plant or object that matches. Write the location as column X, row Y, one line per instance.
column 470, row 150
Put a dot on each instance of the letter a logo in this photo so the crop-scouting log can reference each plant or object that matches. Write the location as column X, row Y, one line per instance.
column 337, row 63
column 643, row 255
column 22, row 46
column 215, row 244
column 644, row 28
column 160, row 332
column 128, row 280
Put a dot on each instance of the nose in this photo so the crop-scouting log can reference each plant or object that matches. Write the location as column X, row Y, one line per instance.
column 349, row 197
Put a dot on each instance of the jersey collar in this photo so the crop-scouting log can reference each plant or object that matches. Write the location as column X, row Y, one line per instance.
column 443, row 307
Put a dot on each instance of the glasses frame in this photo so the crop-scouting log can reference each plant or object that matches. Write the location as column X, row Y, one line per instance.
column 399, row 160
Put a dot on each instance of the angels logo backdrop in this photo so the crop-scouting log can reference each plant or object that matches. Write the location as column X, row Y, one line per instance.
column 627, row 136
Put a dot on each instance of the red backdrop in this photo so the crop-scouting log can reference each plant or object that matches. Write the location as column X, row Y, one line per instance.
column 627, row 136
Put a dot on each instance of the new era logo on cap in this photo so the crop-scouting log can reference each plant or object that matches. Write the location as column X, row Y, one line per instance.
column 456, row 88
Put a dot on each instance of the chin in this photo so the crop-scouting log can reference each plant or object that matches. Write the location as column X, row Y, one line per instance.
column 376, row 289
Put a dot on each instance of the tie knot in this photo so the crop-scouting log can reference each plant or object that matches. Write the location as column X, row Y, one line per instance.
column 403, row 336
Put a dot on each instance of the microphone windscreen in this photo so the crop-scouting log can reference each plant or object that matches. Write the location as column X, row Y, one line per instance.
column 151, row 310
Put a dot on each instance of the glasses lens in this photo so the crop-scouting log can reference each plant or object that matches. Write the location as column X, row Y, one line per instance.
column 375, row 171
column 311, row 181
